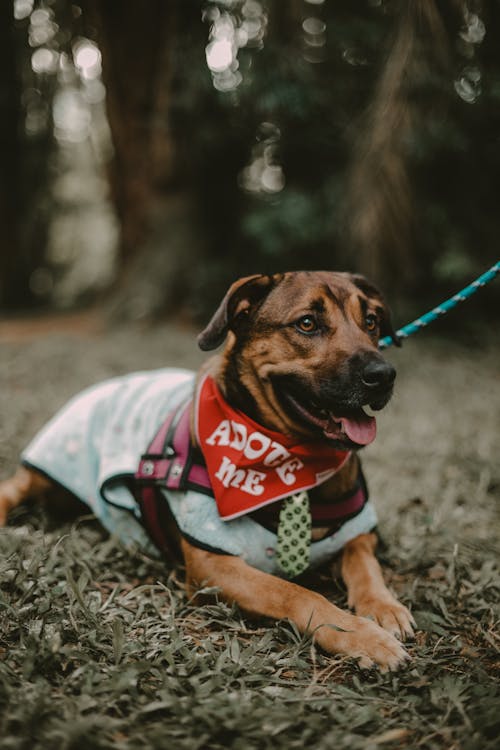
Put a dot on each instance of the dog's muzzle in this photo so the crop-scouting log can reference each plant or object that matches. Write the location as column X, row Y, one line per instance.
column 338, row 404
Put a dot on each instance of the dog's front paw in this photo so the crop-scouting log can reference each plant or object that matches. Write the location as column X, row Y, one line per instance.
column 389, row 614
column 372, row 645
column 363, row 640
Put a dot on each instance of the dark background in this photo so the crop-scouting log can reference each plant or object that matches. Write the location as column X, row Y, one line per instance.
column 152, row 152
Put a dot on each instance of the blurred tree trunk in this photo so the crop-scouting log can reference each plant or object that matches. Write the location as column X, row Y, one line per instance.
column 413, row 90
column 150, row 184
column 25, row 159
column 10, row 97
column 133, row 39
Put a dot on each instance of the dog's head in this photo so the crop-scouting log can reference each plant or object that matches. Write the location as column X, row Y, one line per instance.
column 301, row 355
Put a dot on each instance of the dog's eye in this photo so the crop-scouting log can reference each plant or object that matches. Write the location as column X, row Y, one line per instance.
column 307, row 324
column 371, row 322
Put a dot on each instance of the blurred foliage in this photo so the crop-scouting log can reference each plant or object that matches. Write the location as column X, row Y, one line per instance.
column 319, row 109
column 267, row 102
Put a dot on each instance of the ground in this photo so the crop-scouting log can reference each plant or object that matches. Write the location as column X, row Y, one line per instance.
column 102, row 649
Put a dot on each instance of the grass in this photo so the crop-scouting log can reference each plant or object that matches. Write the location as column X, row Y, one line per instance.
column 101, row 648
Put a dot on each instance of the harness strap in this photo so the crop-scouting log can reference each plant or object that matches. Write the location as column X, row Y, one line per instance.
column 169, row 457
column 168, row 462
column 147, row 497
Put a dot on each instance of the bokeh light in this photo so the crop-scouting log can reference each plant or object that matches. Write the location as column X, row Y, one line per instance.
column 468, row 83
column 23, row 9
column 314, row 39
column 242, row 24
column 71, row 116
column 264, row 175
column 87, row 59
column 219, row 55
column 42, row 27
column 44, row 60
column 468, row 86
column 474, row 30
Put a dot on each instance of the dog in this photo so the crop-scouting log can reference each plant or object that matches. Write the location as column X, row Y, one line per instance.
column 276, row 421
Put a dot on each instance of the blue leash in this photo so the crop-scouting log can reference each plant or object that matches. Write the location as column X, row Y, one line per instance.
column 443, row 308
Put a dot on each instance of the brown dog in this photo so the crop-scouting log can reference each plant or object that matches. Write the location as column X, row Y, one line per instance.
column 300, row 361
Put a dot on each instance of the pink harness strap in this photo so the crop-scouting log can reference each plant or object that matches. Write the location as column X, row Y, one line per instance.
column 168, row 460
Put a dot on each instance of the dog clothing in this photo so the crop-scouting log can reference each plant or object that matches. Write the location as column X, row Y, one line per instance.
column 92, row 447
column 250, row 466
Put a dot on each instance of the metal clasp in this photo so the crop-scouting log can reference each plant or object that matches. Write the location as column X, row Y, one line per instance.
column 148, row 468
column 176, row 469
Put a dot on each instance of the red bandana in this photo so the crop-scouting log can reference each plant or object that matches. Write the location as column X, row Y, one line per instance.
column 249, row 466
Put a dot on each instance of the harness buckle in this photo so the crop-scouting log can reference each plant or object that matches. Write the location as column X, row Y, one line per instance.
column 148, row 468
column 177, row 469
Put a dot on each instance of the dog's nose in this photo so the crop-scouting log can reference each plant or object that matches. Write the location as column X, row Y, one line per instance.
column 378, row 374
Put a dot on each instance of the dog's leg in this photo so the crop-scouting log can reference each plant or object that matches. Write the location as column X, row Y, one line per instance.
column 367, row 593
column 24, row 484
column 265, row 595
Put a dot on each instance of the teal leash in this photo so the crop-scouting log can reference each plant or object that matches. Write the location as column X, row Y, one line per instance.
column 443, row 308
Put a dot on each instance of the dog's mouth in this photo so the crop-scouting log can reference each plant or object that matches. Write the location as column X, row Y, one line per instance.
column 353, row 429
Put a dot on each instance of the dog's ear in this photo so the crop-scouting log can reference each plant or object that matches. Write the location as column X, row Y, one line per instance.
column 365, row 286
column 239, row 300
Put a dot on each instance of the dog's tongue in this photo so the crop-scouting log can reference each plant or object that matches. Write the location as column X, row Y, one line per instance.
column 361, row 430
